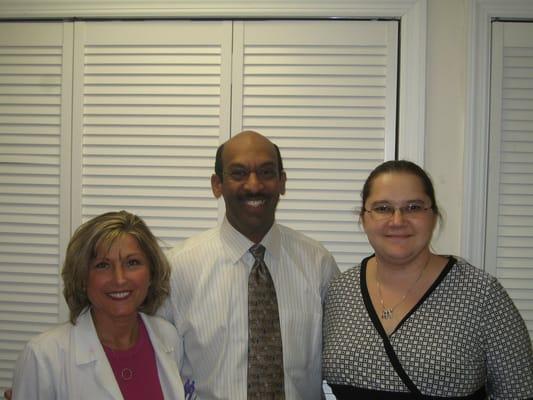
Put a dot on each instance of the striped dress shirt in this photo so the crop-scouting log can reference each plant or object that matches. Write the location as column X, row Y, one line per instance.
column 209, row 307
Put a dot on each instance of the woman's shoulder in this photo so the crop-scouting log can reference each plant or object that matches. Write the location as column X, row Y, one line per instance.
column 348, row 279
column 161, row 327
column 55, row 334
column 466, row 271
column 473, row 282
column 348, row 275
column 50, row 341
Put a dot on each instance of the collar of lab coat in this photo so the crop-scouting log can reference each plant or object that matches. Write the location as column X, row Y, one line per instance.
column 90, row 353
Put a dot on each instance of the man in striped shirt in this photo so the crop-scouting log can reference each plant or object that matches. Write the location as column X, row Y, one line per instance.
column 209, row 295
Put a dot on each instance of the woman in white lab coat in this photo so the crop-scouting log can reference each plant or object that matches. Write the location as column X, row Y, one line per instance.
column 115, row 277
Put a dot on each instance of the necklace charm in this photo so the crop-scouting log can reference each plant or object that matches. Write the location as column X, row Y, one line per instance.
column 126, row 374
column 386, row 313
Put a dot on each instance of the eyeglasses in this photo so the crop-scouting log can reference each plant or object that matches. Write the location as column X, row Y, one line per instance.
column 263, row 174
column 386, row 211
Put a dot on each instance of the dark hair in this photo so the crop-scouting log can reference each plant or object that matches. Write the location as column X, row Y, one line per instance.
column 103, row 230
column 219, row 168
column 402, row 166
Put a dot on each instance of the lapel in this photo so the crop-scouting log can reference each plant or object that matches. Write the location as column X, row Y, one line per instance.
column 165, row 354
column 90, row 355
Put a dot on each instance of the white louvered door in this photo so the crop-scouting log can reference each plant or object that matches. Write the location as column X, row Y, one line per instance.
column 154, row 102
column 509, row 250
column 325, row 92
column 108, row 115
column 35, row 88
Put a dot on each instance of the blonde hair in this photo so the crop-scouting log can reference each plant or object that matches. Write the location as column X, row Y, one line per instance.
column 104, row 230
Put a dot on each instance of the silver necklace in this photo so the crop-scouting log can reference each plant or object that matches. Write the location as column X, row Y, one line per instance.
column 388, row 313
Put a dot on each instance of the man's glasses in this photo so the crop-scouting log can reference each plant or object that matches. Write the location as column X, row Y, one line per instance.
column 385, row 211
column 263, row 174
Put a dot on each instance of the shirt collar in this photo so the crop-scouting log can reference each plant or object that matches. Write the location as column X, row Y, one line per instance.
column 237, row 245
column 88, row 346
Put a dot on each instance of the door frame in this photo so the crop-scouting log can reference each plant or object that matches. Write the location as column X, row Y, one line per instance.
column 481, row 13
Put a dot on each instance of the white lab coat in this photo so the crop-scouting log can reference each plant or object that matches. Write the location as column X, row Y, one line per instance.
column 69, row 363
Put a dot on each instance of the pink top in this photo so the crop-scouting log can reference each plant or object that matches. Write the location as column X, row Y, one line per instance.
column 135, row 369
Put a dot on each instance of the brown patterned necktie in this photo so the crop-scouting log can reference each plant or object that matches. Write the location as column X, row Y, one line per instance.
column 265, row 355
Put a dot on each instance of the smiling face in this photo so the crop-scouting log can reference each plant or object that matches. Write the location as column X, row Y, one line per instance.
column 401, row 238
column 118, row 280
column 251, row 184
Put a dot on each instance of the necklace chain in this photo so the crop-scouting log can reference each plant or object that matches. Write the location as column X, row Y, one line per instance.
column 387, row 313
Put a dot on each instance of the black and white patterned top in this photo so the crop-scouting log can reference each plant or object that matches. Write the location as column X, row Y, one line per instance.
column 465, row 333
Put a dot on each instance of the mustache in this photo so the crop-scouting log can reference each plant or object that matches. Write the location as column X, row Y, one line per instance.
column 255, row 196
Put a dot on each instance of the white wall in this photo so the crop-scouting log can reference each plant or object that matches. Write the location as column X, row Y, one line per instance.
column 445, row 114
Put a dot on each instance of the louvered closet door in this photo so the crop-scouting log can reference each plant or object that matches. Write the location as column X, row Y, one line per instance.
column 509, row 249
column 35, row 79
column 151, row 103
column 325, row 92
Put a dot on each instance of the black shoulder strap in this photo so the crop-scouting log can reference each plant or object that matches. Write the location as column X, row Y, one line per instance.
column 399, row 369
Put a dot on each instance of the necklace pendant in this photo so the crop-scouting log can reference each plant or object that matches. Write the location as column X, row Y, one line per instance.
column 386, row 313
column 126, row 374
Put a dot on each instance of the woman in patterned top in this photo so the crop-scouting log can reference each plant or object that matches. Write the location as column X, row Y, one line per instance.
column 407, row 323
